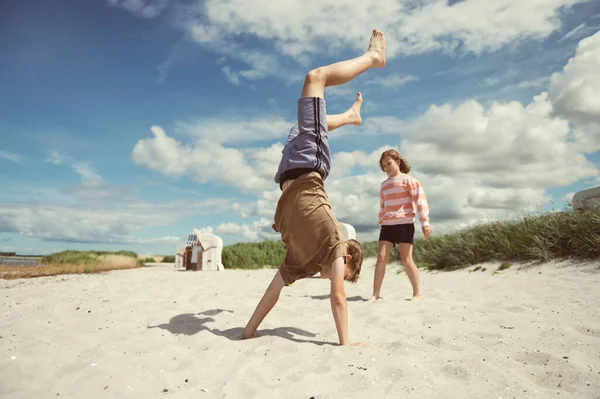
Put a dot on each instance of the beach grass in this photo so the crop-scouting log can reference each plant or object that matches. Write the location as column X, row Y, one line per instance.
column 536, row 238
column 259, row 255
column 74, row 262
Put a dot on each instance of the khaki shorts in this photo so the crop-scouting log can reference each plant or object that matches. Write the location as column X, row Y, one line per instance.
column 308, row 228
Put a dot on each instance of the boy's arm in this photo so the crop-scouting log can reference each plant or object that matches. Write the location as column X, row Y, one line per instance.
column 337, row 297
column 339, row 306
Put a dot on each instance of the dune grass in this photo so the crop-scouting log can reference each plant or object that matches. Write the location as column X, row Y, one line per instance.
column 259, row 255
column 74, row 262
column 543, row 237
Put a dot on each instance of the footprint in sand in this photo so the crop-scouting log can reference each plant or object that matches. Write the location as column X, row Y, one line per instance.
column 323, row 369
column 534, row 358
column 435, row 341
column 456, row 373
column 492, row 336
column 590, row 332
column 430, row 321
column 398, row 347
column 440, row 342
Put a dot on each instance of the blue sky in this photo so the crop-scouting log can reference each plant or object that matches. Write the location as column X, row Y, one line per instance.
column 128, row 124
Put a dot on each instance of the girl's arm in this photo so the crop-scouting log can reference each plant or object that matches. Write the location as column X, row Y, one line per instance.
column 381, row 206
column 418, row 195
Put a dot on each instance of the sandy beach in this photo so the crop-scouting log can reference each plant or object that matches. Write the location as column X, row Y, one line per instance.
column 162, row 332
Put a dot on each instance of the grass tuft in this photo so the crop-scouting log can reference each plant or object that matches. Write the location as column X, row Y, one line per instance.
column 76, row 262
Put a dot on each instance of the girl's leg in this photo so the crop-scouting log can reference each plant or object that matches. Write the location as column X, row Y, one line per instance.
column 411, row 269
column 352, row 115
column 344, row 71
column 383, row 255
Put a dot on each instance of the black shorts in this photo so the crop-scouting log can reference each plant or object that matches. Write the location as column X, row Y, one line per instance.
column 398, row 233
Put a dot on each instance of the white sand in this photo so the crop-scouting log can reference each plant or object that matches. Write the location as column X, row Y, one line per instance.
column 135, row 333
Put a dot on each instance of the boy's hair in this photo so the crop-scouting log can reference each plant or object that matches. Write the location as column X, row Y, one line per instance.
column 355, row 250
column 404, row 165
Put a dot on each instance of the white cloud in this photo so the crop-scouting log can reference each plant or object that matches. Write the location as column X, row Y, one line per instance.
column 234, row 78
column 260, row 63
column 100, row 224
column 141, row 8
column 237, row 130
column 528, row 84
column 578, row 32
column 574, row 92
column 99, row 192
column 392, row 81
column 86, row 171
column 327, row 26
column 205, row 161
column 82, row 168
column 258, row 230
column 10, row 156
column 202, row 230
column 55, row 158
column 527, row 142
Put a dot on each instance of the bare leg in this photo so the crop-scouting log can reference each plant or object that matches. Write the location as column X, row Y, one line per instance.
column 344, row 71
column 352, row 115
column 411, row 269
column 383, row 255
column 269, row 299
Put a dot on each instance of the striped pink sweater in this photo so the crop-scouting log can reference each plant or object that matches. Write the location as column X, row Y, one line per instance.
column 397, row 196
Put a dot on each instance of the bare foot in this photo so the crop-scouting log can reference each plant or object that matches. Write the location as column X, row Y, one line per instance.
column 354, row 111
column 246, row 335
column 374, row 298
column 416, row 298
column 377, row 48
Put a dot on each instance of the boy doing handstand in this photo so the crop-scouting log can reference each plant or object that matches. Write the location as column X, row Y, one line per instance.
column 304, row 218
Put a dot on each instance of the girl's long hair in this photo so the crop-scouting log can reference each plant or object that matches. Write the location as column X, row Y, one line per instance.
column 404, row 165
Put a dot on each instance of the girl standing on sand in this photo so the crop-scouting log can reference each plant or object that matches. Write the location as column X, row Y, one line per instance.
column 398, row 195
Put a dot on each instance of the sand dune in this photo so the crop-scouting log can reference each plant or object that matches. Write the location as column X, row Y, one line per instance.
column 161, row 332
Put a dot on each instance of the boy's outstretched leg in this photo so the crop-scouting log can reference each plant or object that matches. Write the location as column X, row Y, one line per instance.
column 344, row 71
column 351, row 116
column 269, row 299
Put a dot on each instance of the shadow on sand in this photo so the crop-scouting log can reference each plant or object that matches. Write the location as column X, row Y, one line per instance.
column 191, row 323
column 349, row 299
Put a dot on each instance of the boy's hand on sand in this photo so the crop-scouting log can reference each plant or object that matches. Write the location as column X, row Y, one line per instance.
column 427, row 231
column 248, row 335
